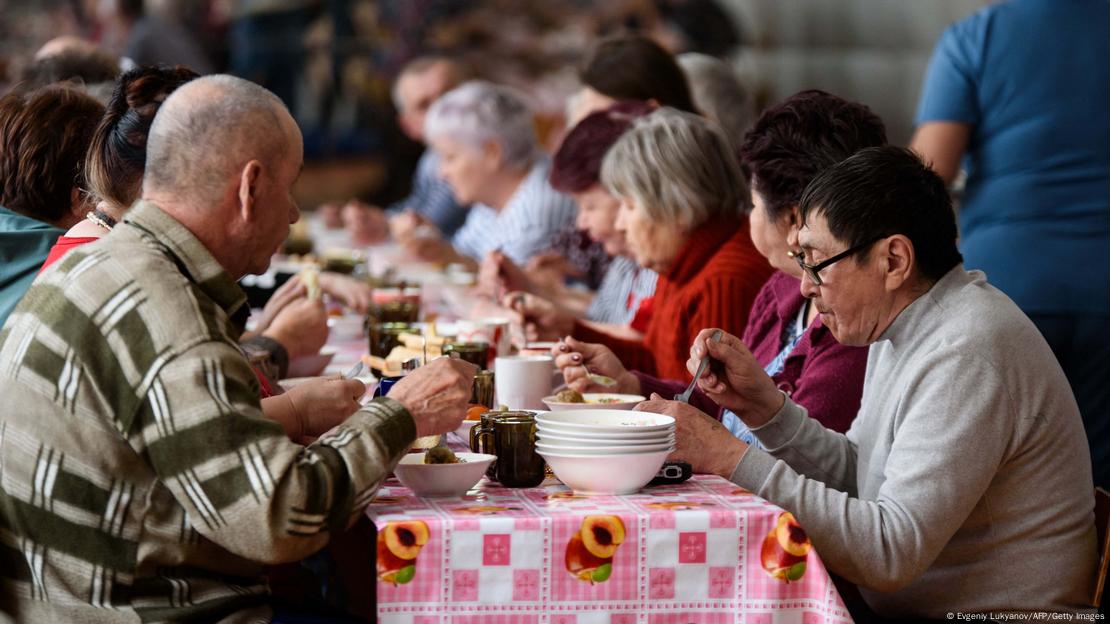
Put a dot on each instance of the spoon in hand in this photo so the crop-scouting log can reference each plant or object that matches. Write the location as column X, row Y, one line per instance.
column 600, row 380
column 685, row 396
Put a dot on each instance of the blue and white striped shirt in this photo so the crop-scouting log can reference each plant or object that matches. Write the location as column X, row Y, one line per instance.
column 432, row 198
column 625, row 285
column 524, row 227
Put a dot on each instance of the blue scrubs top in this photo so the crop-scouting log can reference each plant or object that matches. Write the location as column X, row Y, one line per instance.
column 1032, row 78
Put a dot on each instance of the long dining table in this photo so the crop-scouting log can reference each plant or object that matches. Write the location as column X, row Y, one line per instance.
column 701, row 552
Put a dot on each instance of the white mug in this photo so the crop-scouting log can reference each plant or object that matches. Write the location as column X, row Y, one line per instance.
column 522, row 381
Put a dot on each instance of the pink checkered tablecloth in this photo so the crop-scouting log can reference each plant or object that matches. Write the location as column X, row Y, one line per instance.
column 703, row 552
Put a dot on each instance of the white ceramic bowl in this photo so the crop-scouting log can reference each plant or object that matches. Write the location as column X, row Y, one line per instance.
column 311, row 365
column 590, row 421
column 595, row 400
column 549, row 437
column 441, row 479
column 605, row 474
column 605, row 450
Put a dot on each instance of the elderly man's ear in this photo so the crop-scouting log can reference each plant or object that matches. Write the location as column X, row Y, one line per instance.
column 899, row 261
column 249, row 179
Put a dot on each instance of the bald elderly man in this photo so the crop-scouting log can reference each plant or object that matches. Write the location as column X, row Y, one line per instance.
column 139, row 476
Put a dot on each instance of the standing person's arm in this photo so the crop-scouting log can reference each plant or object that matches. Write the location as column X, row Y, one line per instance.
column 949, row 106
column 942, row 144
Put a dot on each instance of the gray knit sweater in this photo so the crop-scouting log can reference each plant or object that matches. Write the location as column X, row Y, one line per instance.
column 964, row 485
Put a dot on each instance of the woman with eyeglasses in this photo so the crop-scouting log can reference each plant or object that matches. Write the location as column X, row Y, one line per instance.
column 790, row 144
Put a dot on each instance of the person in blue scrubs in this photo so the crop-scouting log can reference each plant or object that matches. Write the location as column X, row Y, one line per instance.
column 1019, row 94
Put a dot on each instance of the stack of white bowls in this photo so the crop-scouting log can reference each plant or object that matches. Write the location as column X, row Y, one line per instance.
column 604, row 451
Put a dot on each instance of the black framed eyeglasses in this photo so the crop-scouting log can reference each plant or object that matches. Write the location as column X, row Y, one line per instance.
column 814, row 270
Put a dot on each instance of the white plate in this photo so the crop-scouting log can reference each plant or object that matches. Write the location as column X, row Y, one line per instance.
column 606, row 421
column 594, row 400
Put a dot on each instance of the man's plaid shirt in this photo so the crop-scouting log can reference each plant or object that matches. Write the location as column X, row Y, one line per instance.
column 139, row 479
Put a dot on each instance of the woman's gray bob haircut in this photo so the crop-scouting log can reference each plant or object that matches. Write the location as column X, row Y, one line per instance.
column 476, row 112
column 679, row 167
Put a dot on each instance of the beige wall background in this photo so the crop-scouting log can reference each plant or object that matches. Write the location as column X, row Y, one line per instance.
column 873, row 51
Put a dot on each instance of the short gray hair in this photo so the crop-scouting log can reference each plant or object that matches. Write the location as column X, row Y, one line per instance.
column 679, row 167
column 719, row 93
column 477, row 112
column 208, row 129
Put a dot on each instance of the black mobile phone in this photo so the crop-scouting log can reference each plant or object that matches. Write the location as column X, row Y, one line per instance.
column 672, row 472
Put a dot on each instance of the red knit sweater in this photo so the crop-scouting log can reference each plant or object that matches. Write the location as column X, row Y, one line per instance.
column 713, row 283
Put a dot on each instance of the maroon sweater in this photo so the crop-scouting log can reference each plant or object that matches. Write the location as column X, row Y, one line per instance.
column 820, row 374
column 713, row 283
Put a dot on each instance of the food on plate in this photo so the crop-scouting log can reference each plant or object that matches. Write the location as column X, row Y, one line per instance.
column 440, row 455
column 569, row 395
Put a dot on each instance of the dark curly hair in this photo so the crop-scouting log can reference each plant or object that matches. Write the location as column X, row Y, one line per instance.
column 798, row 138
column 632, row 67
column 44, row 135
column 577, row 163
column 117, row 155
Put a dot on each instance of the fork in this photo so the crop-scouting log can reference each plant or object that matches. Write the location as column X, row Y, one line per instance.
column 685, row 396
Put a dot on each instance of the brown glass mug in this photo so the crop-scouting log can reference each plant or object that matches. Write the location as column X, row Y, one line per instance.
column 398, row 311
column 477, row 353
column 385, row 336
column 511, row 436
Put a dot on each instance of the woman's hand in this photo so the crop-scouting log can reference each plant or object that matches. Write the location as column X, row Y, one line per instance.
column 735, row 380
column 433, row 249
column 571, row 354
column 541, row 319
column 353, row 293
column 700, row 440
column 405, row 225
column 498, row 274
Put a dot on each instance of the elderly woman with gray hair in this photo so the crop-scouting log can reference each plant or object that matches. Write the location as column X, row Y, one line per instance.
column 490, row 157
column 683, row 214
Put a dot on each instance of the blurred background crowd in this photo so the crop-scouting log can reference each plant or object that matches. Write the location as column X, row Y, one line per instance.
column 333, row 61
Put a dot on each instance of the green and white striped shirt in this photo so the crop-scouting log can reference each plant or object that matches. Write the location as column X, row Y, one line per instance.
column 139, row 480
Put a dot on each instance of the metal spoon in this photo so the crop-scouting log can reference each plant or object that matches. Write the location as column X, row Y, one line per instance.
column 355, row 370
column 685, row 396
column 600, row 380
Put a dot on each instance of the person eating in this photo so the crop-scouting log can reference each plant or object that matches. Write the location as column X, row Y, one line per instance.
column 968, row 458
